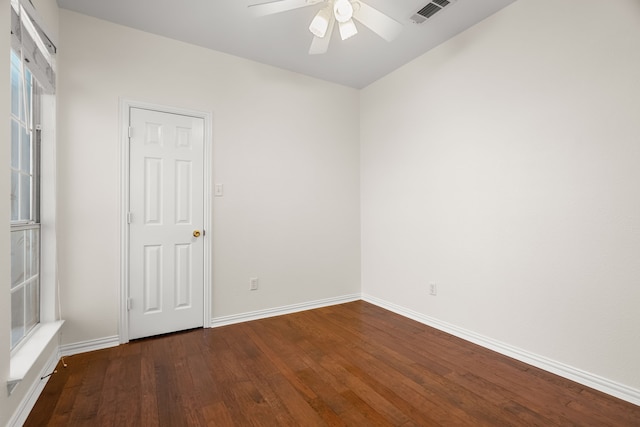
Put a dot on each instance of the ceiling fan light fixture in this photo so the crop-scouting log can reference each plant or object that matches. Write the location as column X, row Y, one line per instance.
column 343, row 10
column 347, row 29
column 320, row 23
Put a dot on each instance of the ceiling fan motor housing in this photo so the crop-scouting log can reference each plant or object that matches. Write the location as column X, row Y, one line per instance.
column 343, row 10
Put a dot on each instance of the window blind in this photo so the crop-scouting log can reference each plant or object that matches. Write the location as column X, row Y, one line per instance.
column 32, row 43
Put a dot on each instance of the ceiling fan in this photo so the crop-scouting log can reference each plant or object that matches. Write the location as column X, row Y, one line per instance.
column 341, row 11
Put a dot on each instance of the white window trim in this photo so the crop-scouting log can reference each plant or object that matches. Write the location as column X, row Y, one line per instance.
column 28, row 351
column 26, row 354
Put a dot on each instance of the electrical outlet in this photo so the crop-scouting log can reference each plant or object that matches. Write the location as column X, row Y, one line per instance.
column 433, row 289
column 253, row 284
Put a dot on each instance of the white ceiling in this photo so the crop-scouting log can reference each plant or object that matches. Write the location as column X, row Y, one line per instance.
column 283, row 40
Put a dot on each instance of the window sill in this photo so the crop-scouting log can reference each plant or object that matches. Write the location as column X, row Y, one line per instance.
column 27, row 355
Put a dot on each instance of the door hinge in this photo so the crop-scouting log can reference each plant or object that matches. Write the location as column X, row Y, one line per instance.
column 129, row 304
column 130, row 131
column 129, row 217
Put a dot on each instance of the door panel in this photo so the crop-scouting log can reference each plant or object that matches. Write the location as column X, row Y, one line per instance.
column 152, row 191
column 152, row 279
column 166, row 262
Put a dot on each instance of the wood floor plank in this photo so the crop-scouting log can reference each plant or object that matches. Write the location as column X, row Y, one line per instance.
column 473, row 359
column 170, row 412
column 148, row 397
column 292, row 400
column 432, row 390
column 52, row 395
column 216, row 414
column 353, row 364
column 87, row 402
column 264, row 375
column 601, row 403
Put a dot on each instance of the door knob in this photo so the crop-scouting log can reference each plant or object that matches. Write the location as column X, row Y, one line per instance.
column 196, row 233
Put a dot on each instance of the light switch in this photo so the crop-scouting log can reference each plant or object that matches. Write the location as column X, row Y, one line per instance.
column 218, row 190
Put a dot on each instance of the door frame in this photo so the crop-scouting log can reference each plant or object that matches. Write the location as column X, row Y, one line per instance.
column 125, row 107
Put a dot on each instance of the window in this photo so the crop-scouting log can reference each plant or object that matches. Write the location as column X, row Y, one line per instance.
column 25, row 212
column 34, row 319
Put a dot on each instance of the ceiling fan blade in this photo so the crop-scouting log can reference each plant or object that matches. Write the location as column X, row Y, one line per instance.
column 277, row 6
column 378, row 22
column 320, row 45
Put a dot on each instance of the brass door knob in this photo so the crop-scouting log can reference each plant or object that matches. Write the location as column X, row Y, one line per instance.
column 196, row 233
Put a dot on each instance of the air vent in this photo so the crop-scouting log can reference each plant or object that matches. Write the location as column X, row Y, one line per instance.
column 429, row 10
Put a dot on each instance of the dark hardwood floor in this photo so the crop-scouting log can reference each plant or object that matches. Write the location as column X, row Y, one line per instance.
column 348, row 365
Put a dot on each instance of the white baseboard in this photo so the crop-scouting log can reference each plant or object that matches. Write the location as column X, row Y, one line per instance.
column 30, row 399
column 278, row 311
column 604, row 385
column 90, row 345
column 114, row 341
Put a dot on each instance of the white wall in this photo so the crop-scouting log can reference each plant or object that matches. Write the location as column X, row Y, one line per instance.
column 504, row 166
column 285, row 147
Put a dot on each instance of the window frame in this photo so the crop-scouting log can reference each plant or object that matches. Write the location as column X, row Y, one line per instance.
column 28, row 120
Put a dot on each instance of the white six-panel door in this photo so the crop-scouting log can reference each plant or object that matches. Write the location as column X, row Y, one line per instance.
column 166, row 249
